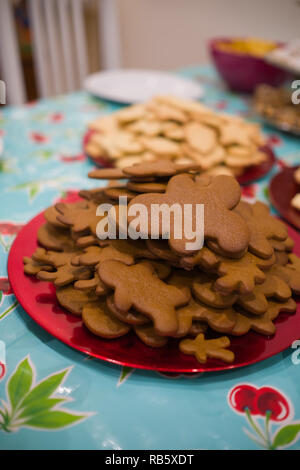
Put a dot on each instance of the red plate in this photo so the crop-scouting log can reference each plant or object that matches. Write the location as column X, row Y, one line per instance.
column 253, row 173
column 39, row 301
column 256, row 172
column 283, row 188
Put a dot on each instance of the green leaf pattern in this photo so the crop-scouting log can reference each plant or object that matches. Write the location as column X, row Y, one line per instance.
column 286, row 435
column 19, row 384
column 33, row 405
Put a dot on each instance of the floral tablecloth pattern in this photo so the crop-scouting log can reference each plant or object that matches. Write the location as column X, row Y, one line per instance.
column 53, row 397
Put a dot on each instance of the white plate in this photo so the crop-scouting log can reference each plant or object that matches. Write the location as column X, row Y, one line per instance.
column 132, row 86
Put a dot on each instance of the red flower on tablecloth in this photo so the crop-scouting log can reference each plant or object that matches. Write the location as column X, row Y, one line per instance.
column 5, row 290
column 7, row 232
column 270, row 400
column 274, row 140
column 38, row 137
column 269, row 404
column 5, row 286
column 31, row 104
column 80, row 157
column 249, row 191
column 10, row 228
column 243, row 397
column 2, row 370
column 281, row 163
column 70, row 195
column 56, row 117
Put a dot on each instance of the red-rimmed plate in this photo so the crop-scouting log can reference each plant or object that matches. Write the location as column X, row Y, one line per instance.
column 253, row 173
column 283, row 188
column 257, row 172
column 39, row 301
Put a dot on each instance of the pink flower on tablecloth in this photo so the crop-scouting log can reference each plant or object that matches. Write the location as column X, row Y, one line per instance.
column 5, row 286
column 80, row 157
column 2, row 132
column 10, row 228
column 67, row 196
column 56, row 117
column 222, row 104
column 38, row 137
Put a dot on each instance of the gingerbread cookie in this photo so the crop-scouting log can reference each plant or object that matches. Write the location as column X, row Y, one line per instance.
column 241, row 275
column 131, row 317
column 99, row 320
column 220, row 196
column 148, row 335
column 203, row 348
column 80, row 216
column 54, row 238
column 93, row 284
column 65, row 272
column 222, row 321
column 162, row 168
column 33, row 267
column 139, row 287
column 95, row 254
column 257, row 302
column 147, row 187
column 50, row 215
column 202, row 287
column 262, row 324
column 290, row 273
column 263, row 228
column 74, row 300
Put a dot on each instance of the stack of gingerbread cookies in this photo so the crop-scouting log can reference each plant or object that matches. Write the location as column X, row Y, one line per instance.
column 156, row 288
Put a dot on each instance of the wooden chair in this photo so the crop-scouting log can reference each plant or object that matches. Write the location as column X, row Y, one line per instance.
column 59, row 45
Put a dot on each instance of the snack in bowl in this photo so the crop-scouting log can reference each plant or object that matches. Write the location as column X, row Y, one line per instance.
column 243, row 64
column 252, row 46
column 276, row 106
column 183, row 132
column 240, row 280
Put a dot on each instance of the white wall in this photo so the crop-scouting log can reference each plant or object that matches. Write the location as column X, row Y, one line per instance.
column 166, row 34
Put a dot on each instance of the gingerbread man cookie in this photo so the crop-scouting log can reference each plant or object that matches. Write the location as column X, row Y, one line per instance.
column 219, row 197
column 139, row 287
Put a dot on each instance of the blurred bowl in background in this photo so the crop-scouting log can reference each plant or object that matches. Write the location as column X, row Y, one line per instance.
column 243, row 71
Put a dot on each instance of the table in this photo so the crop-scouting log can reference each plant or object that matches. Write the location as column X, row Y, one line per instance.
column 105, row 406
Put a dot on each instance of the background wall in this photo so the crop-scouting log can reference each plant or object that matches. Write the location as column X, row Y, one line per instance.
column 166, row 34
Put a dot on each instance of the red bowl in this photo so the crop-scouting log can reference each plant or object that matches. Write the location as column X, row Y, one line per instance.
column 243, row 72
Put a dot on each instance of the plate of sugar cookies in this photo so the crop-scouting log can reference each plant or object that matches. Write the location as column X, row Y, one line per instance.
column 154, row 303
column 287, row 202
column 183, row 131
